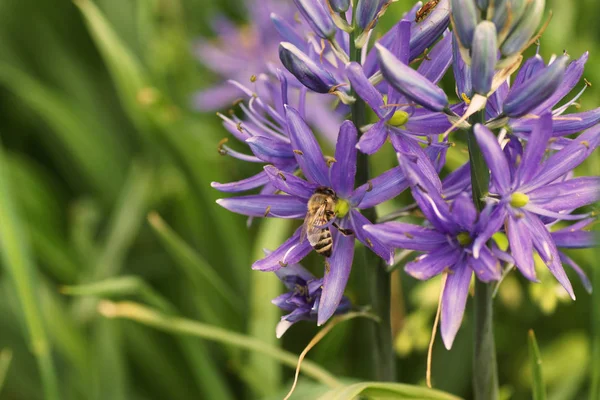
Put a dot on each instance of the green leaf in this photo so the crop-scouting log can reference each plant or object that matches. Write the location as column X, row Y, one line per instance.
column 5, row 360
column 539, row 387
column 18, row 260
column 96, row 163
column 380, row 390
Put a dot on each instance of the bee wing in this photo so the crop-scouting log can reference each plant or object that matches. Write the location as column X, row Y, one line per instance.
column 313, row 226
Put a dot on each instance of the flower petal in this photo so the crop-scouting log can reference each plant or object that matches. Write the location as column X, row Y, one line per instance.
column 494, row 157
column 265, row 206
column 274, row 260
column 454, row 301
column 431, row 264
column 543, row 243
column 253, row 182
column 488, row 225
column 536, row 148
column 567, row 195
column 409, row 82
column 290, row 184
column 270, row 150
column 380, row 189
column 486, row 267
column 358, row 222
column 343, row 170
column 407, row 236
column 374, row 138
column 306, row 149
column 521, row 247
column 464, row 212
column 336, row 276
column 439, row 59
column 361, row 85
column 584, row 279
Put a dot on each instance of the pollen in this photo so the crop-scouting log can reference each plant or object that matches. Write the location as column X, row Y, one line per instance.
column 465, row 98
column 464, row 238
column 342, row 207
column 519, row 200
column 399, row 118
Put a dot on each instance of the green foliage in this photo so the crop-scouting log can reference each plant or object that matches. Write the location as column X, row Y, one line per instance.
column 105, row 195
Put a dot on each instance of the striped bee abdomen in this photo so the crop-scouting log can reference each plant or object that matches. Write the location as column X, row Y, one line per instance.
column 325, row 243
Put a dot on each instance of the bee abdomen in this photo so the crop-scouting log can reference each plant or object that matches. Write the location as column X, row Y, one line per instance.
column 325, row 243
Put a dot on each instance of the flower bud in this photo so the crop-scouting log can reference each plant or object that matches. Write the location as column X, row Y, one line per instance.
column 304, row 69
column 535, row 91
column 522, row 32
column 507, row 13
column 409, row 82
column 366, row 12
column 339, row 6
column 317, row 17
column 465, row 15
column 483, row 57
column 426, row 32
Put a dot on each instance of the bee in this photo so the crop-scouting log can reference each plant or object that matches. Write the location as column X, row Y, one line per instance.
column 425, row 10
column 321, row 210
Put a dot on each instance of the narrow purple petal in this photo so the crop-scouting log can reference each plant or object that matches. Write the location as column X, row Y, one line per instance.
column 521, row 247
column 439, row 59
column 488, row 226
column 567, row 195
column 336, row 276
column 572, row 75
column 425, row 122
column 407, row 236
column 374, row 138
column 454, row 301
column 409, row 82
column 253, row 182
column 317, row 16
column 486, row 267
column 457, row 181
column 306, row 149
column 536, row 148
column 578, row 270
column 358, row 222
column 494, row 157
column 567, row 159
column 366, row 11
column 290, row 184
column 464, row 212
column 265, row 206
column 270, row 150
column 287, row 31
column 576, row 236
column 431, row 264
column 380, row 189
column 426, row 32
column 343, row 169
column 543, row 243
column 360, row 83
column 274, row 260
column 309, row 73
column 462, row 71
column 292, row 270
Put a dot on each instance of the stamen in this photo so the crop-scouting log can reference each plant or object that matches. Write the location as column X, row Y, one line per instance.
column 519, row 200
column 220, row 147
column 298, row 152
column 252, row 78
column 267, row 211
column 465, row 98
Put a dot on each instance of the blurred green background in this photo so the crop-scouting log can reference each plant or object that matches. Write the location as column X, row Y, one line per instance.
column 105, row 178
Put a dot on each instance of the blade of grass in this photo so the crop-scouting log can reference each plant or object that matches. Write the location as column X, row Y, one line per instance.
column 18, row 261
column 192, row 263
column 209, row 381
column 539, row 387
column 5, row 360
column 148, row 316
column 264, row 316
column 88, row 151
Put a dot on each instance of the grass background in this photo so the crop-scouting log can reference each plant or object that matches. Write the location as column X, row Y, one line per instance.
column 104, row 177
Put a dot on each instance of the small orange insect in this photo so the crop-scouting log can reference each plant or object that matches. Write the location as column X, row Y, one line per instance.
column 425, row 10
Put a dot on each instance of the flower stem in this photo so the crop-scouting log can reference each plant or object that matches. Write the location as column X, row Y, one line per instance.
column 375, row 280
column 485, row 370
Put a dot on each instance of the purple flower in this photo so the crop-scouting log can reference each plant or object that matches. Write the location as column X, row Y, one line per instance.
column 527, row 190
column 397, row 115
column 302, row 300
column 337, row 177
column 447, row 243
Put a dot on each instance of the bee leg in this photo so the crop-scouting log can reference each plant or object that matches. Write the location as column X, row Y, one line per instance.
column 345, row 232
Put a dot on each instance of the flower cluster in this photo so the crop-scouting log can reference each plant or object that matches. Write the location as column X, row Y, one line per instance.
column 524, row 137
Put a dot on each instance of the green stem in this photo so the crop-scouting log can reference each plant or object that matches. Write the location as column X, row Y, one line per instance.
column 376, row 287
column 485, row 370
